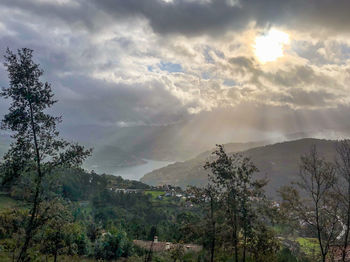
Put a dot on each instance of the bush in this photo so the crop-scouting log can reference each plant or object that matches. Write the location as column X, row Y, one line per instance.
column 113, row 245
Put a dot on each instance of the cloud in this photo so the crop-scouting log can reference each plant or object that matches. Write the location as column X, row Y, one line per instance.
column 193, row 17
column 197, row 17
column 155, row 62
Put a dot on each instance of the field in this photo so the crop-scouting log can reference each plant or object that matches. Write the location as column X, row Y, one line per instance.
column 154, row 193
column 308, row 245
column 8, row 202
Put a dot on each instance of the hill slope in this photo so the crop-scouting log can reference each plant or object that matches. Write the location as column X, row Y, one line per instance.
column 279, row 163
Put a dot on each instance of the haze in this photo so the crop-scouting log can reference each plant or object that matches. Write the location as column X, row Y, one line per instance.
column 242, row 70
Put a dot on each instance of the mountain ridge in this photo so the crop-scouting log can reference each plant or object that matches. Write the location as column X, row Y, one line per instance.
column 278, row 162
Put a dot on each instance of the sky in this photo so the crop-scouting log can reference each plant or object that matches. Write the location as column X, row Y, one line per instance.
column 253, row 67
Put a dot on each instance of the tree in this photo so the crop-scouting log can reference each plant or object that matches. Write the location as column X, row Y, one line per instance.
column 37, row 147
column 177, row 252
column 232, row 175
column 263, row 244
column 320, row 207
column 208, row 199
column 112, row 245
column 343, row 169
column 11, row 229
column 56, row 230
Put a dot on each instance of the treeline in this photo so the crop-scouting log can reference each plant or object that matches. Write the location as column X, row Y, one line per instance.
column 66, row 211
column 84, row 218
column 70, row 214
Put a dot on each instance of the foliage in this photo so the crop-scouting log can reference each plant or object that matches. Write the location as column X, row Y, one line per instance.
column 37, row 149
column 53, row 209
column 320, row 209
column 112, row 245
column 233, row 205
column 177, row 253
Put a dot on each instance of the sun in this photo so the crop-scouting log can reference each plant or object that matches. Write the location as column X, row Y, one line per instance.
column 269, row 46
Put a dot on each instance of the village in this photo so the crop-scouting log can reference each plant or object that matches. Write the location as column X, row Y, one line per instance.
column 157, row 192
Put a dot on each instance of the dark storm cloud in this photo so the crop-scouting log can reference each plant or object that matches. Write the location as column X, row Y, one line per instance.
column 149, row 103
column 69, row 43
column 192, row 17
column 84, row 100
column 196, row 17
column 75, row 13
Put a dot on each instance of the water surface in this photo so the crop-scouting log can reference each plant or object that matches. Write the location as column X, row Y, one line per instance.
column 133, row 172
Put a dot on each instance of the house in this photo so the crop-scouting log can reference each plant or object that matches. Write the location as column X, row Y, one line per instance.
column 133, row 191
column 120, row 190
column 158, row 246
column 336, row 253
column 125, row 190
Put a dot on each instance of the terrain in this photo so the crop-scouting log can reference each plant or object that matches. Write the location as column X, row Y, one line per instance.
column 279, row 163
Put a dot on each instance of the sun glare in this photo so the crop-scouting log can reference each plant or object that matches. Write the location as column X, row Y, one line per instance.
column 269, row 47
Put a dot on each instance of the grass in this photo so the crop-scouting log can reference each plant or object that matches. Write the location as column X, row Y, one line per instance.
column 8, row 202
column 154, row 193
column 308, row 245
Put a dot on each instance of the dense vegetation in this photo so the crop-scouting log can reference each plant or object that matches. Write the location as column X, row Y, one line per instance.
column 88, row 220
column 51, row 209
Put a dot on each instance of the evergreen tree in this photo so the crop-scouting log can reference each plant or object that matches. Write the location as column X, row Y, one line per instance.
column 37, row 147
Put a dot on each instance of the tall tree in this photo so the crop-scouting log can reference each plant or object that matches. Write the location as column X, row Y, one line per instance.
column 55, row 232
column 37, row 146
column 319, row 207
column 343, row 169
column 232, row 175
column 208, row 199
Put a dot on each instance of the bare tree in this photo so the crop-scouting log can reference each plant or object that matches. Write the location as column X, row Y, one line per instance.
column 343, row 169
column 319, row 206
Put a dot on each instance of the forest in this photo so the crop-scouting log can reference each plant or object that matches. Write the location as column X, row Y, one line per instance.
column 53, row 210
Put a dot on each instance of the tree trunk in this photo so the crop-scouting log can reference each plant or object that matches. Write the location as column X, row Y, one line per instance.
column 323, row 253
column 235, row 235
column 347, row 227
column 244, row 246
column 212, row 249
column 23, row 254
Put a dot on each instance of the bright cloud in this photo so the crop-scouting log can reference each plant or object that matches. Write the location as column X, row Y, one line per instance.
column 180, row 58
column 270, row 46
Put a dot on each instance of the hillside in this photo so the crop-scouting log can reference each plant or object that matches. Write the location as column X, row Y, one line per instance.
column 279, row 163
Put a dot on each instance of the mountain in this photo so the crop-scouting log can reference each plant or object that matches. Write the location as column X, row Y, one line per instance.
column 191, row 172
column 279, row 163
